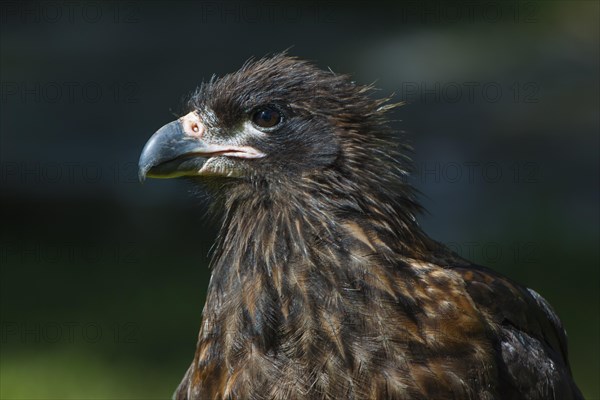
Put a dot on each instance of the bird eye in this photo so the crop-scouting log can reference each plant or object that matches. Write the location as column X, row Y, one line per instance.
column 266, row 118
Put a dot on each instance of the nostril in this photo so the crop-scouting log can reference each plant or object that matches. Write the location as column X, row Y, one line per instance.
column 192, row 126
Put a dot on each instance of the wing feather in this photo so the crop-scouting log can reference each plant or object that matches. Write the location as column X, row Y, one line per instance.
column 530, row 338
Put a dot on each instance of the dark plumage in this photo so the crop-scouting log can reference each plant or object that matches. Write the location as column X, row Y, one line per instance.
column 323, row 284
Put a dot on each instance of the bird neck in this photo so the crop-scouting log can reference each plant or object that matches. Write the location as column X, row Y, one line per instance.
column 277, row 258
column 264, row 231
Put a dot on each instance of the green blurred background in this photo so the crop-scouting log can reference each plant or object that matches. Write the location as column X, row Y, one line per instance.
column 103, row 279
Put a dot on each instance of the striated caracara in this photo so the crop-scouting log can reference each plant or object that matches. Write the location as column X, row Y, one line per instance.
column 323, row 285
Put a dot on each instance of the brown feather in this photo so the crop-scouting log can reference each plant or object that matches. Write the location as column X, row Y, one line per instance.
column 323, row 284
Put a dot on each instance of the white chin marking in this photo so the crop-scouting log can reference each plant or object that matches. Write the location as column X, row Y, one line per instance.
column 219, row 165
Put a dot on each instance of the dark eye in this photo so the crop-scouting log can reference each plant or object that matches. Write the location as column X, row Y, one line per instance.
column 266, row 118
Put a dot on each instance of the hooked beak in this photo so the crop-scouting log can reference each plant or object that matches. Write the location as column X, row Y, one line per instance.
column 178, row 149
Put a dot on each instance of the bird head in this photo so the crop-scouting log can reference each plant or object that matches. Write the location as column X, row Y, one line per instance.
column 276, row 119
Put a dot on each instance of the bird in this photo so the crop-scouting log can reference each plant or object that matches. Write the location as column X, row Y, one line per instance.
column 323, row 284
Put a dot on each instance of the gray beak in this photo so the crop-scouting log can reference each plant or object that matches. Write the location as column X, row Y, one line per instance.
column 180, row 148
column 171, row 153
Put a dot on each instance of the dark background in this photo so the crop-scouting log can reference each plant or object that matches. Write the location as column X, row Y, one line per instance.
column 103, row 279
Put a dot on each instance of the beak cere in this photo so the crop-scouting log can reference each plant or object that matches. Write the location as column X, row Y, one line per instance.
column 192, row 125
column 179, row 149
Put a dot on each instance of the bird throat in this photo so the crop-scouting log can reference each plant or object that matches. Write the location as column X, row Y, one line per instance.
column 285, row 276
